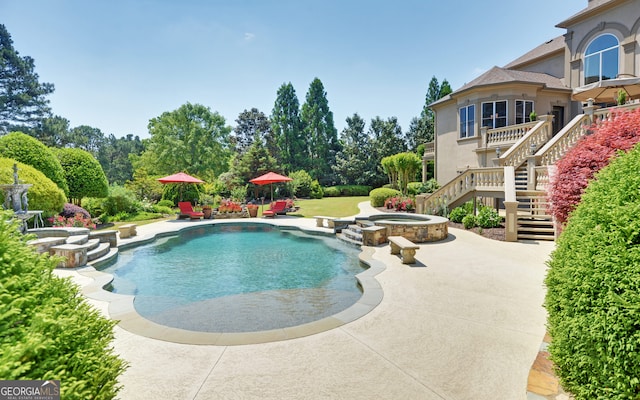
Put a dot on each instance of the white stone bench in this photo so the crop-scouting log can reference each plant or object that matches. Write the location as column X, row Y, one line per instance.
column 127, row 230
column 320, row 220
column 404, row 247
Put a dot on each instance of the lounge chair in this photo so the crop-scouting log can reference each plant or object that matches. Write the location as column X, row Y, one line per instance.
column 278, row 208
column 186, row 210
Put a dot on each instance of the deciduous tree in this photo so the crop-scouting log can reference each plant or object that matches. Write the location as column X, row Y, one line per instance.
column 191, row 139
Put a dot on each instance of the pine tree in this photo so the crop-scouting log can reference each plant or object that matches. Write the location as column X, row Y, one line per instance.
column 321, row 135
column 287, row 129
column 22, row 97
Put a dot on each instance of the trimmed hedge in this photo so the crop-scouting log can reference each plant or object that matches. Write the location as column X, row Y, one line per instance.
column 380, row 195
column 347, row 190
column 47, row 330
column 83, row 172
column 43, row 195
column 26, row 149
column 593, row 288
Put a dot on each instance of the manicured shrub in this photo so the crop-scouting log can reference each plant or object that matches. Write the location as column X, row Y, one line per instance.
column 589, row 155
column 316, row 190
column 43, row 195
column 83, row 173
column 380, row 195
column 347, row 190
column 157, row 208
column 457, row 214
column 301, row 185
column 70, row 211
column 469, row 221
column 48, row 330
column 166, row 203
column 120, row 200
column 331, row 191
column 488, row 218
column 416, row 188
column 26, row 149
column 593, row 288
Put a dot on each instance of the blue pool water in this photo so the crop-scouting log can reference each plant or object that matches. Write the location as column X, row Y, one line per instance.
column 238, row 278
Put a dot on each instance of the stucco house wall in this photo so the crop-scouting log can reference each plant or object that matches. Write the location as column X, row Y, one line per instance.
column 544, row 75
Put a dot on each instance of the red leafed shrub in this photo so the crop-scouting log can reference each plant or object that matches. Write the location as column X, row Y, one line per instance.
column 588, row 156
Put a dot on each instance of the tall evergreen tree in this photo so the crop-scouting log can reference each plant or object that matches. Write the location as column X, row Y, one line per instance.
column 354, row 162
column 287, row 129
column 251, row 125
column 22, row 98
column 387, row 141
column 114, row 157
column 422, row 129
column 320, row 133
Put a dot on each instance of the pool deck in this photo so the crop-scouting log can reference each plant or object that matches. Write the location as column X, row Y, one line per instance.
column 465, row 322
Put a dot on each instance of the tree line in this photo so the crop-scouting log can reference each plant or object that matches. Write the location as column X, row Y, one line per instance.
column 197, row 140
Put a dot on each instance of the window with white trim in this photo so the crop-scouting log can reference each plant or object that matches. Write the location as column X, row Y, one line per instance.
column 467, row 121
column 601, row 59
column 494, row 114
column 523, row 110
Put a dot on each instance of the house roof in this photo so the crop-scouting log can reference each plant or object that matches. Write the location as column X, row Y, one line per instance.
column 497, row 75
column 555, row 45
column 593, row 8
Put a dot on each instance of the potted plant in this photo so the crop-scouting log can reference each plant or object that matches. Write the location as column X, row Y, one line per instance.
column 533, row 116
column 622, row 97
column 253, row 210
column 207, row 210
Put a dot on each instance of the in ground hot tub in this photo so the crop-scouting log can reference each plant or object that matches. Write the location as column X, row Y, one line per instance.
column 418, row 228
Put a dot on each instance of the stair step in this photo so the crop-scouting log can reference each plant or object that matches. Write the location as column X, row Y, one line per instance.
column 43, row 245
column 528, row 236
column 354, row 228
column 77, row 239
column 537, row 222
column 100, row 250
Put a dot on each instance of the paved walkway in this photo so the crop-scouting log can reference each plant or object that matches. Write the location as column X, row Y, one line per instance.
column 466, row 322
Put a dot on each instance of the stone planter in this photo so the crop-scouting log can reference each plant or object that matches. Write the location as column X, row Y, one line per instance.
column 206, row 210
column 253, row 211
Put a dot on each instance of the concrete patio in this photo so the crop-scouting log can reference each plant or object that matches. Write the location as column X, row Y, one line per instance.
column 465, row 322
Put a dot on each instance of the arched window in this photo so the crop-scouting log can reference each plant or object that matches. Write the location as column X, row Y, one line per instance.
column 601, row 59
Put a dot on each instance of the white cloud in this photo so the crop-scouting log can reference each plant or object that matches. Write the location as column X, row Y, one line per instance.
column 477, row 71
column 248, row 36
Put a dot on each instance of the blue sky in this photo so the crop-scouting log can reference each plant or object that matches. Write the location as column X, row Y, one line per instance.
column 117, row 64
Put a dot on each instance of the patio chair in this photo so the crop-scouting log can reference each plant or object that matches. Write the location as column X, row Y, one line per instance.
column 186, row 210
column 278, row 208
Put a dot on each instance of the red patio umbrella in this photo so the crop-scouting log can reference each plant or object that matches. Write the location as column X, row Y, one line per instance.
column 269, row 178
column 180, row 177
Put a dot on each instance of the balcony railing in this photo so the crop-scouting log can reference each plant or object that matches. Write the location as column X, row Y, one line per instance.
column 508, row 135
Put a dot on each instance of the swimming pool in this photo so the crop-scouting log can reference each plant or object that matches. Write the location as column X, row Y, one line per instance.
column 238, row 278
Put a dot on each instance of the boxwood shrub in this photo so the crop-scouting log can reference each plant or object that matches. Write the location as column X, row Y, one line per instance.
column 29, row 150
column 347, row 190
column 593, row 287
column 47, row 330
column 44, row 195
column 379, row 195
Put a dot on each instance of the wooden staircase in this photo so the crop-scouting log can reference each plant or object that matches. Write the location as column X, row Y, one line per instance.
column 533, row 218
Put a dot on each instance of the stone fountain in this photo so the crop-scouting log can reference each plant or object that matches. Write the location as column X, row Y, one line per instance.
column 16, row 199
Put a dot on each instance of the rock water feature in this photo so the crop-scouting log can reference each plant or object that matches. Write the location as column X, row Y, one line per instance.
column 16, row 199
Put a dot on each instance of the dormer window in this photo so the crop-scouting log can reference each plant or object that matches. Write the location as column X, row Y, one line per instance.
column 601, row 59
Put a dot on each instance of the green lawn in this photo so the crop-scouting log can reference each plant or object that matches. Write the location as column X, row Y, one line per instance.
column 329, row 206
